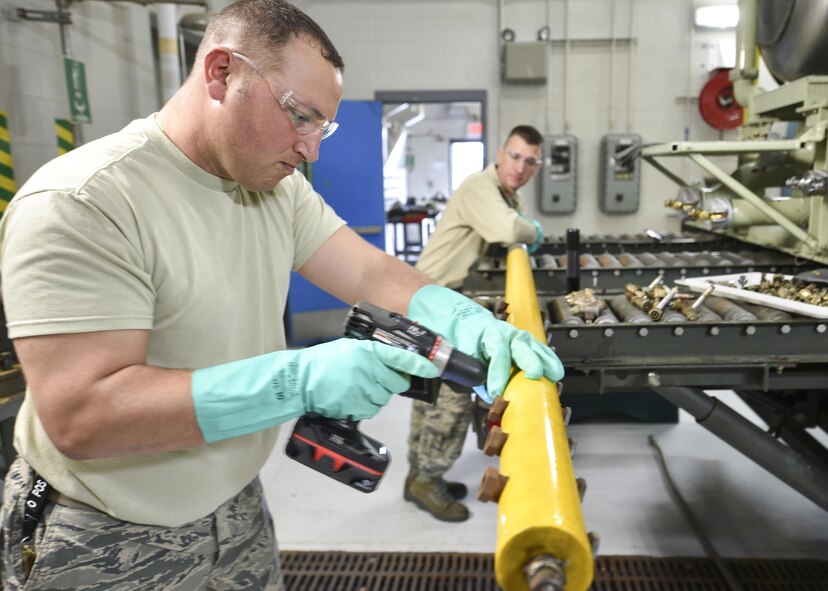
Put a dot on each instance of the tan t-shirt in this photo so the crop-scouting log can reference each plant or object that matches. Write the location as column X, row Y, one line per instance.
column 127, row 233
column 476, row 215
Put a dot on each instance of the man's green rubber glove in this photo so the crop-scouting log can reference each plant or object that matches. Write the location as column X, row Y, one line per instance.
column 533, row 248
column 472, row 329
column 340, row 379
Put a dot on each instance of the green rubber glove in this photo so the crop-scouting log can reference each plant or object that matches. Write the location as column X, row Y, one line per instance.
column 338, row 379
column 533, row 248
column 472, row 329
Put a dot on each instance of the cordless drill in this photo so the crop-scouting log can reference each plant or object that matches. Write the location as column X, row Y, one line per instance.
column 336, row 447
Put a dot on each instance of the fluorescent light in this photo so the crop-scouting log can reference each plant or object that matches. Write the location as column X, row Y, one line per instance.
column 717, row 17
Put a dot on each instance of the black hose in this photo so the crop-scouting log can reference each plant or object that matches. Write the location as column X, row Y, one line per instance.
column 728, row 577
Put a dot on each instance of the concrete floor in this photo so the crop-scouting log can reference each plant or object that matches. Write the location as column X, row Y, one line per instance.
column 745, row 511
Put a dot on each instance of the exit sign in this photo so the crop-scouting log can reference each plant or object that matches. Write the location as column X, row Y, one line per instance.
column 76, row 88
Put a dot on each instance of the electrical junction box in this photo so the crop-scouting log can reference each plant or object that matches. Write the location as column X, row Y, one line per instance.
column 526, row 61
column 620, row 177
column 558, row 186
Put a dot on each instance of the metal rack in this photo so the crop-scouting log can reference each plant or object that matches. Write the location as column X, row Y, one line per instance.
column 778, row 367
column 687, row 255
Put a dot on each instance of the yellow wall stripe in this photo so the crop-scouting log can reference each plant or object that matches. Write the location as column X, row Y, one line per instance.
column 7, row 185
column 65, row 132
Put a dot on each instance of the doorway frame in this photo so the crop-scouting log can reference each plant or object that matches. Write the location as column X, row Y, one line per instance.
column 442, row 96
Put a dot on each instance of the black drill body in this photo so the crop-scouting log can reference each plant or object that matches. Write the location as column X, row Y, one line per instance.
column 335, row 447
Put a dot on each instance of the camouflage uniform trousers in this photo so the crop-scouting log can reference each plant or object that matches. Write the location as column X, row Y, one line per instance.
column 438, row 431
column 81, row 549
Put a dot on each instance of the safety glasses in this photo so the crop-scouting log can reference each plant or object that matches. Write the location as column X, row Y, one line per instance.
column 529, row 161
column 304, row 118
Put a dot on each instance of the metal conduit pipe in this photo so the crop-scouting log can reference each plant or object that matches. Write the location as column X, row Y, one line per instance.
column 539, row 522
column 746, row 70
column 731, row 427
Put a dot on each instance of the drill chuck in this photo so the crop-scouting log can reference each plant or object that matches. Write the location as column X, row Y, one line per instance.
column 463, row 369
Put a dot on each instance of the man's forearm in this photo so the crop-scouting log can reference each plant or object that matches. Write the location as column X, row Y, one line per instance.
column 133, row 411
column 351, row 269
column 96, row 397
column 390, row 283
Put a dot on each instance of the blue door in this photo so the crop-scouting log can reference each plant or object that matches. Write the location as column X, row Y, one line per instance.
column 349, row 177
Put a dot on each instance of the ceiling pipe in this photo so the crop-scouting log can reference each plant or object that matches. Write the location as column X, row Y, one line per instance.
column 746, row 71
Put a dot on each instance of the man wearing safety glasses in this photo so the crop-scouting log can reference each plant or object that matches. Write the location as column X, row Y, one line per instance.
column 485, row 209
column 144, row 279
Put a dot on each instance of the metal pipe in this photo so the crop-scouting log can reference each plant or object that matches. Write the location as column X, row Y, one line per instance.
column 669, row 259
column 672, row 317
column 732, row 428
column 609, row 261
column 628, row 260
column 627, row 312
column 545, row 573
column 729, row 311
column 66, row 49
column 562, row 312
column 742, row 191
column 706, row 294
column 765, row 313
column 745, row 72
column 606, row 317
column 566, row 67
column 611, row 82
column 588, row 261
column 539, row 509
column 546, row 261
column 707, row 315
column 630, row 68
column 744, row 213
column 168, row 50
column 648, row 259
column 147, row 2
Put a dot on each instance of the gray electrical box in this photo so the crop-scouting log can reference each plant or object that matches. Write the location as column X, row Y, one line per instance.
column 558, row 186
column 525, row 61
column 620, row 177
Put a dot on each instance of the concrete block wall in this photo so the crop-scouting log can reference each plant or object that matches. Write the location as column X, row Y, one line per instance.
column 412, row 45
column 114, row 42
column 455, row 44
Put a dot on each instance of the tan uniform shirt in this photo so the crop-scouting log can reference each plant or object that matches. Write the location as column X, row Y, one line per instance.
column 478, row 214
column 127, row 233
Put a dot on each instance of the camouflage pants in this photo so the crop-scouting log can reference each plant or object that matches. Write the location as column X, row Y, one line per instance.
column 82, row 549
column 438, row 431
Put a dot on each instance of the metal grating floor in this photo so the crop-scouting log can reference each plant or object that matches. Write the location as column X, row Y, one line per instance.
column 420, row 571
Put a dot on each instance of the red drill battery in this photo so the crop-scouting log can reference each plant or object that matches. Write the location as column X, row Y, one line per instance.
column 336, row 448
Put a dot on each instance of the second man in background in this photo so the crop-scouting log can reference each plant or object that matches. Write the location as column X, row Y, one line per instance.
column 486, row 209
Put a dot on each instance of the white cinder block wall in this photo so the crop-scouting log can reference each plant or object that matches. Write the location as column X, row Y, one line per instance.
column 657, row 63
column 112, row 39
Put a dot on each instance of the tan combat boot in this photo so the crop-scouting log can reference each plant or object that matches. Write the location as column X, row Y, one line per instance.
column 457, row 490
column 432, row 495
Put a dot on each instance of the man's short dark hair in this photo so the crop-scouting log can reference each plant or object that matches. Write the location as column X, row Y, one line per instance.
column 527, row 133
column 267, row 25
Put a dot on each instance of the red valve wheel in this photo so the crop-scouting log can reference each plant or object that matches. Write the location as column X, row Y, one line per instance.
column 717, row 105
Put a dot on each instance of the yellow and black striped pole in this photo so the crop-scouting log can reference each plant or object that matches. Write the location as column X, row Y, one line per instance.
column 7, row 185
column 65, row 132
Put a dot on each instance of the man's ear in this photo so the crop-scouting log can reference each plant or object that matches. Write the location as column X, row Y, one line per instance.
column 216, row 71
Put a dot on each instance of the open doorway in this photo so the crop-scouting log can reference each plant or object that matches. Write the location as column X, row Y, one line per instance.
column 432, row 140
